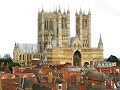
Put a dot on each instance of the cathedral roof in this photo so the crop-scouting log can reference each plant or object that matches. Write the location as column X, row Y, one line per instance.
column 75, row 40
column 28, row 48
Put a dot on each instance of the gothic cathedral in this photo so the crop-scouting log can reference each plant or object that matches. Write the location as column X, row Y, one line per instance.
column 55, row 46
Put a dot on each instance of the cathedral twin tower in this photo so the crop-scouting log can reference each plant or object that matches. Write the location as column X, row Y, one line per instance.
column 57, row 26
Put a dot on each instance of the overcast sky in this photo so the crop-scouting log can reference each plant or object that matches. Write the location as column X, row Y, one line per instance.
column 18, row 21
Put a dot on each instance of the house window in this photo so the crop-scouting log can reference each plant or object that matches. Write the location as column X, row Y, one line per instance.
column 60, row 87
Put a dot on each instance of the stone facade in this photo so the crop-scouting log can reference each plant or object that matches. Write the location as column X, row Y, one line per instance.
column 55, row 46
column 24, row 53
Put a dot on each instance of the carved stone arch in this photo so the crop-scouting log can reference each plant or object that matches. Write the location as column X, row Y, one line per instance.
column 77, row 58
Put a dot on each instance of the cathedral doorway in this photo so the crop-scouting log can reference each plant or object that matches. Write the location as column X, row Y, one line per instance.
column 77, row 59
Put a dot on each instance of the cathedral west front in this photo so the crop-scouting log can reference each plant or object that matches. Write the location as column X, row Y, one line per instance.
column 55, row 46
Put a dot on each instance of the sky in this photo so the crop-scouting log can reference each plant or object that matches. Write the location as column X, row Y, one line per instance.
column 18, row 21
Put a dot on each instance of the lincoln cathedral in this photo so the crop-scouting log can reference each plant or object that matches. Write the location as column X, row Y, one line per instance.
column 55, row 46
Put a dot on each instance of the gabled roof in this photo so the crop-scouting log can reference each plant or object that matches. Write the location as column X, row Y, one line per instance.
column 75, row 40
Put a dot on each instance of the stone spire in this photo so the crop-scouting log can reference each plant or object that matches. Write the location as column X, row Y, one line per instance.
column 64, row 11
column 100, row 43
column 16, row 45
column 89, row 12
column 42, row 9
column 59, row 9
column 68, row 11
column 80, row 12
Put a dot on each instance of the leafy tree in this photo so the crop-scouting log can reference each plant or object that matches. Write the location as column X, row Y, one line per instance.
column 113, row 58
column 8, row 60
column 6, row 56
column 13, row 64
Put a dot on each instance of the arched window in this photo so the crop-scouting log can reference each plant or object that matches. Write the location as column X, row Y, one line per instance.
column 85, row 23
column 23, row 57
column 46, row 24
column 41, row 57
column 64, row 23
column 36, row 56
column 20, row 57
column 51, row 25
column 33, row 56
column 86, row 64
column 30, row 57
column 40, row 26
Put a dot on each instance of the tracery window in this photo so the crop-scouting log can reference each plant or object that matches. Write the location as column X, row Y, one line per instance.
column 84, row 23
column 40, row 26
column 64, row 23
column 28, row 57
column 46, row 24
column 23, row 57
column 51, row 25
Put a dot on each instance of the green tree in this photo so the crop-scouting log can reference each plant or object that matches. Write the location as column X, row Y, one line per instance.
column 13, row 64
column 113, row 58
column 8, row 58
